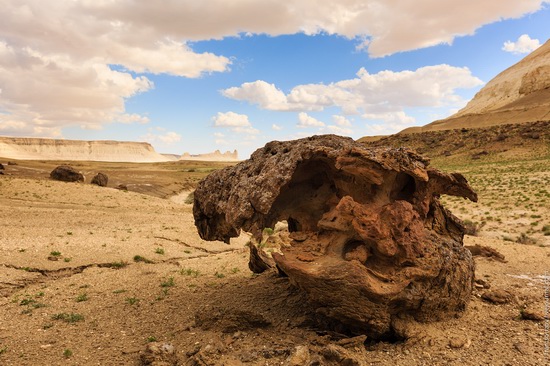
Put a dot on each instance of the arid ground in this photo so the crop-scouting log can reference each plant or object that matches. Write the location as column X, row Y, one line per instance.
column 92, row 276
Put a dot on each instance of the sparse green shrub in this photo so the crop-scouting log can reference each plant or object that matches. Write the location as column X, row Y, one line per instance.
column 190, row 272
column 139, row 258
column 68, row 317
column 132, row 300
column 168, row 283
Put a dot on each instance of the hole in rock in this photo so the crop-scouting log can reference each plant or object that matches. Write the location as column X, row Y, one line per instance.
column 404, row 188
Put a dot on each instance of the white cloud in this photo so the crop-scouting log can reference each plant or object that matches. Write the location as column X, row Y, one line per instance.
column 236, row 122
column 383, row 92
column 524, row 44
column 230, row 119
column 388, row 123
column 259, row 92
column 338, row 130
column 389, row 26
column 168, row 138
column 61, row 51
column 305, row 121
column 341, row 121
column 276, row 127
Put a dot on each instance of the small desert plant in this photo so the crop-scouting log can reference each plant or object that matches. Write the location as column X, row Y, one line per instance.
column 82, row 297
column 116, row 265
column 190, row 272
column 190, row 198
column 525, row 239
column 168, row 283
column 151, row 339
column 132, row 300
column 55, row 253
column 68, row 317
column 219, row 274
column 159, row 250
column 67, row 353
column 139, row 258
column 119, row 291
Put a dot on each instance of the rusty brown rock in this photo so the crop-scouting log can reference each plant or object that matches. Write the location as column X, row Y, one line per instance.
column 66, row 173
column 369, row 240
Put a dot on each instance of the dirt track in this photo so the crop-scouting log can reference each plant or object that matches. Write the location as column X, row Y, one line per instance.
column 72, row 292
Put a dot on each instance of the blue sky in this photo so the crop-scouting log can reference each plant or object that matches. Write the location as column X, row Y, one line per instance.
column 198, row 76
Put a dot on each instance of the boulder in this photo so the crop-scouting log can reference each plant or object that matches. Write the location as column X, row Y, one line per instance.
column 2, row 166
column 369, row 240
column 66, row 173
column 100, row 179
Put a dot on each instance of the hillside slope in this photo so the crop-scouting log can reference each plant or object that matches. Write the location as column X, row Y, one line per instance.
column 509, row 141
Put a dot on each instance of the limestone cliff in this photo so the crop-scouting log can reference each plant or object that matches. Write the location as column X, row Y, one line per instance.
column 52, row 149
column 214, row 156
column 519, row 94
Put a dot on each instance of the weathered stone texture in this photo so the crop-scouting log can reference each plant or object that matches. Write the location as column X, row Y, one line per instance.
column 369, row 240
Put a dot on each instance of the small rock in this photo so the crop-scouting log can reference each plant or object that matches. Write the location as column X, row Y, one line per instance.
column 122, row 187
column 159, row 354
column 100, row 179
column 2, row 167
column 460, row 342
column 482, row 284
column 532, row 314
column 497, row 296
column 300, row 356
column 12, row 163
column 53, row 258
column 522, row 348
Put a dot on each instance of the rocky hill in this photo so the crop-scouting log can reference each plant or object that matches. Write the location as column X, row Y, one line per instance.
column 519, row 94
column 530, row 139
column 52, row 149
column 214, row 156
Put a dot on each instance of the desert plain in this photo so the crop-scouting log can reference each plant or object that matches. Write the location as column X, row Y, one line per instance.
column 95, row 275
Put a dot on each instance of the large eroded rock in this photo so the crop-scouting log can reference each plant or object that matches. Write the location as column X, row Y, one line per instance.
column 369, row 240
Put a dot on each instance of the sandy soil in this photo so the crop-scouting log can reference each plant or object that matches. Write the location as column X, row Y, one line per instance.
column 92, row 276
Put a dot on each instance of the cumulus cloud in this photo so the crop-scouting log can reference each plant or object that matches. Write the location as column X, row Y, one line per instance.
column 384, row 26
column 74, row 63
column 305, row 121
column 524, row 44
column 276, row 127
column 386, row 93
column 168, row 138
column 236, row 122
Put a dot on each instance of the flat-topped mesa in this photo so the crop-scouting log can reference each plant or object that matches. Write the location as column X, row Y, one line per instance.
column 56, row 149
column 369, row 240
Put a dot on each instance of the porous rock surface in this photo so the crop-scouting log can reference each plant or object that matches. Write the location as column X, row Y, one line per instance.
column 369, row 241
column 66, row 173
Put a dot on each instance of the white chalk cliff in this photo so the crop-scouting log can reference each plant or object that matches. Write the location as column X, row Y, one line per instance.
column 53, row 149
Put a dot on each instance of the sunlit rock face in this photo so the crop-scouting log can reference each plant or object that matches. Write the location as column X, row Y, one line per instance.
column 369, row 241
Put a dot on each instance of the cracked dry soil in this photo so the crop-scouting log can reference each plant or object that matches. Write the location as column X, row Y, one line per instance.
column 91, row 275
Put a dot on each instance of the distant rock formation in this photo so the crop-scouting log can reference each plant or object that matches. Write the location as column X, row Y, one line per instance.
column 53, row 149
column 66, row 173
column 519, row 94
column 172, row 157
column 214, row 156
